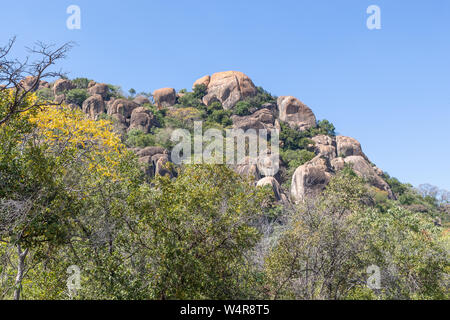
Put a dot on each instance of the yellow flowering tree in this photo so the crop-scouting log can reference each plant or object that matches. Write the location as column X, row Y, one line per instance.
column 57, row 168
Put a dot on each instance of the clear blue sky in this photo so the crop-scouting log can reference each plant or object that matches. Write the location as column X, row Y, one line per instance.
column 388, row 88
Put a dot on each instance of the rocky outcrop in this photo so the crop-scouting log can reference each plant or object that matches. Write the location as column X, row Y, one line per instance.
column 141, row 100
column 123, row 107
column 101, row 89
column 249, row 168
column 61, row 86
column 346, row 146
column 30, row 84
column 261, row 119
column 202, row 81
column 363, row 169
column 155, row 161
column 162, row 165
column 142, row 119
column 295, row 113
column 151, row 151
column 94, row 106
column 325, row 146
column 310, row 179
column 165, row 97
column 229, row 88
column 273, row 183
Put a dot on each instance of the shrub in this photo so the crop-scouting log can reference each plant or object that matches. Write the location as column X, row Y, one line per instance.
column 200, row 91
column 293, row 139
column 77, row 96
column 137, row 138
column 242, row 108
column 221, row 116
column 45, row 94
column 81, row 83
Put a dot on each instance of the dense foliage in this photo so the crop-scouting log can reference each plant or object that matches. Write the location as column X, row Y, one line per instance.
column 72, row 194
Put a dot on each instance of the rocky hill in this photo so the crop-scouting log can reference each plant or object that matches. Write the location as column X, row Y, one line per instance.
column 244, row 106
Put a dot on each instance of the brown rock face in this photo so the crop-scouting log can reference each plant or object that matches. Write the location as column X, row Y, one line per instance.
column 310, row 179
column 29, row 84
column 271, row 181
column 249, row 168
column 325, row 146
column 363, row 169
column 151, row 151
column 94, row 106
column 141, row 119
column 347, row 146
column 161, row 168
column 141, row 100
column 203, row 80
column 62, row 85
column 99, row 88
column 295, row 113
column 165, row 97
column 123, row 107
column 229, row 88
column 261, row 119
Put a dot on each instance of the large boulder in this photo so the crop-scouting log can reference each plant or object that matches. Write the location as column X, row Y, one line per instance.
column 122, row 106
column 346, row 146
column 94, row 106
column 101, row 89
column 202, row 81
column 61, row 86
column 229, row 87
column 325, row 146
column 261, row 119
column 30, row 84
column 155, row 161
column 151, row 151
column 162, row 165
column 165, row 97
column 142, row 119
column 248, row 167
column 310, row 179
column 273, row 183
column 295, row 113
column 141, row 100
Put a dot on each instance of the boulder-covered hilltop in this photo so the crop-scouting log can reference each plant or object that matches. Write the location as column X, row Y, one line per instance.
column 310, row 151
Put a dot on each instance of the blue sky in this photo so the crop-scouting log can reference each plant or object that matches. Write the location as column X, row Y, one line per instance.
column 388, row 88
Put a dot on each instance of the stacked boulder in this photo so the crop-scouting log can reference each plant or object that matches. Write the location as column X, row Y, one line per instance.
column 228, row 88
column 333, row 154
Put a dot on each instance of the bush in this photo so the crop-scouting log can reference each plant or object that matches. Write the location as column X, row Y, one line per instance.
column 337, row 236
column 45, row 94
column 189, row 100
column 221, row 116
column 81, row 83
column 77, row 96
column 137, row 138
column 242, row 108
column 293, row 139
column 200, row 91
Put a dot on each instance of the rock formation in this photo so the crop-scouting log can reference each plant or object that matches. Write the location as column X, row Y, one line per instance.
column 165, row 97
column 228, row 88
column 295, row 113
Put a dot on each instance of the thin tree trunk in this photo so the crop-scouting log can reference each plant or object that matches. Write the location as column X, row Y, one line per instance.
column 20, row 271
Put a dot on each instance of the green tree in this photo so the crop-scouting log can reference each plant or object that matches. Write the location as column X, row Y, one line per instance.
column 77, row 96
column 196, row 230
